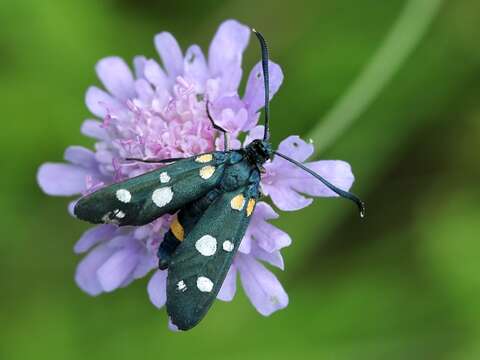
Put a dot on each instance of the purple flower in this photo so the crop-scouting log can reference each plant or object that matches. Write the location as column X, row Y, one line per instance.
column 160, row 112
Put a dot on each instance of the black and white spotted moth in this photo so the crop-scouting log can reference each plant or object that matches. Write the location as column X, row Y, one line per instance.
column 213, row 196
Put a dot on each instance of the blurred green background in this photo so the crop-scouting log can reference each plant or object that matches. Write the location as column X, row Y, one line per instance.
column 403, row 284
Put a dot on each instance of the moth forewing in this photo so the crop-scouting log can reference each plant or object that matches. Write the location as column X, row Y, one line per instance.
column 144, row 198
column 201, row 262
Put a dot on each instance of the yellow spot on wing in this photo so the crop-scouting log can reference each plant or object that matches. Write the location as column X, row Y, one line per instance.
column 250, row 206
column 177, row 229
column 204, row 158
column 206, row 172
column 237, row 202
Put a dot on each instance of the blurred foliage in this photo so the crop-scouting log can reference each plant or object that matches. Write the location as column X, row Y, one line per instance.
column 403, row 284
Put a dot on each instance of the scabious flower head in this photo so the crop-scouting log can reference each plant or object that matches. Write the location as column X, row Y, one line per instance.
column 159, row 112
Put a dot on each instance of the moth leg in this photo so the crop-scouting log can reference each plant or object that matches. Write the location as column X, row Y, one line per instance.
column 226, row 141
column 155, row 161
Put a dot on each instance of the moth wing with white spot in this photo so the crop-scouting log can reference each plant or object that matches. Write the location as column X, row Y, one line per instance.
column 142, row 199
column 201, row 262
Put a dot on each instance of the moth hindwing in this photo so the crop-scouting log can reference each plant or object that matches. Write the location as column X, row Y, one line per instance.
column 201, row 262
column 142, row 199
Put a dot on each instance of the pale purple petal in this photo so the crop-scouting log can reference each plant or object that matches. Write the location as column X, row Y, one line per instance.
column 254, row 134
column 116, row 76
column 86, row 273
column 78, row 155
column 146, row 263
column 229, row 286
column 99, row 102
column 93, row 236
column 117, row 269
column 172, row 326
column 155, row 74
column 337, row 172
column 265, row 235
column 285, row 198
column 261, row 286
column 294, row 147
column 273, row 258
column 144, row 91
column 284, row 182
column 157, row 288
column 255, row 91
column 170, row 53
column 71, row 207
column 195, row 67
column 139, row 66
column 225, row 53
column 94, row 129
column 61, row 179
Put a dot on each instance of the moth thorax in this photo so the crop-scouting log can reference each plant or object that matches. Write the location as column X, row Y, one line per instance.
column 259, row 151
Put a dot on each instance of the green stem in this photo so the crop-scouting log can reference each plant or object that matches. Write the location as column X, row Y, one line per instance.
column 399, row 43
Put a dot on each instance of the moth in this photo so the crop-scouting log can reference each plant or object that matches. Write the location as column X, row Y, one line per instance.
column 212, row 197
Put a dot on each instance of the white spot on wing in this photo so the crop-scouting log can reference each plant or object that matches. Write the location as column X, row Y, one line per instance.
column 164, row 177
column 206, row 245
column 228, row 246
column 181, row 286
column 123, row 195
column 119, row 214
column 204, row 284
column 206, row 172
column 162, row 196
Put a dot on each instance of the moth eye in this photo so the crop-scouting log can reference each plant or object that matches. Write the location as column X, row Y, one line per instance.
column 206, row 172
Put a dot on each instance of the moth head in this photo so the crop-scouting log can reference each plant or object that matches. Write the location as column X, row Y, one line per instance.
column 259, row 151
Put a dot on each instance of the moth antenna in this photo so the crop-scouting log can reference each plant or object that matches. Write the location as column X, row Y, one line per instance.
column 264, row 48
column 345, row 194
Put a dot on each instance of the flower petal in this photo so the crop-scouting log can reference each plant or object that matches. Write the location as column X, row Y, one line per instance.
column 146, row 263
column 225, row 53
column 94, row 129
column 195, row 67
column 78, row 155
column 170, row 53
column 337, row 172
column 229, row 286
column 99, row 102
column 61, row 179
column 117, row 269
column 254, row 134
column 255, row 91
column 155, row 74
column 172, row 326
column 273, row 258
column 86, row 273
column 139, row 66
column 294, row 147
column 285, row 198
column 116, row 76
column 261, row 286
column 265, row 235
column 93, row 236
column 157, row 288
